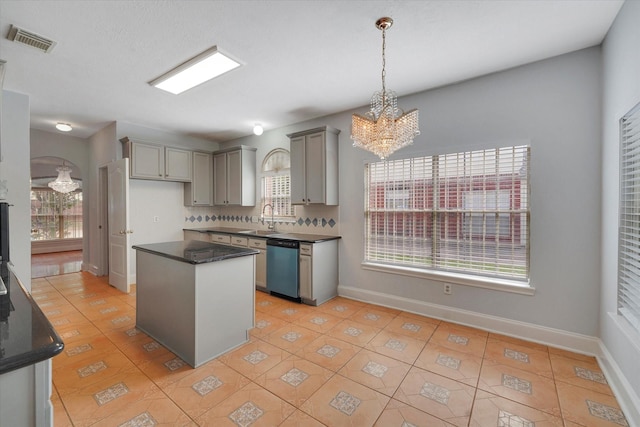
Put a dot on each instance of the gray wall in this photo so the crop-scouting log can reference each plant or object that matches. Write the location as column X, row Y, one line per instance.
column 14, row 168
column 621, row 88
column 555, row 106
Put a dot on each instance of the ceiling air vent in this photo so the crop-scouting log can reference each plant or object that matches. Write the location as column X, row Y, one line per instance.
column 19, row 35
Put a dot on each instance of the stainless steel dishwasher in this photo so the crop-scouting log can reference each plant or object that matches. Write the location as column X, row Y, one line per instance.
column 283, row 272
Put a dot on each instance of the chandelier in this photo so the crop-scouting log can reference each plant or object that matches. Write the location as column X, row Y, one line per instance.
column 385, row 128
column 63, row 183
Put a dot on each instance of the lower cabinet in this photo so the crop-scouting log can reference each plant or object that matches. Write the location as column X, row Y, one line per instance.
column 261, row 263
column 318, row 271
column 196, row 235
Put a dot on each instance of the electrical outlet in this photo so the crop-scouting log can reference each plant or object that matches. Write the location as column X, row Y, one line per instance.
column 447, row 288
column 156, row 219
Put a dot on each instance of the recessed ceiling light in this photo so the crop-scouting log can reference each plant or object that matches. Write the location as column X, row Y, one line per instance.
column 209, row 64
column 257, row 129
column 64, row 127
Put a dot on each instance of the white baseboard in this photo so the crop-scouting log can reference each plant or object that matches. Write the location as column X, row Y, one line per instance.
column 548, row 336
column 627, row 398
column 577, row 343
column 91, row 268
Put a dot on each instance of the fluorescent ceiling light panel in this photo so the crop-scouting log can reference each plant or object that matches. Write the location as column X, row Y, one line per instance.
column 209, row 64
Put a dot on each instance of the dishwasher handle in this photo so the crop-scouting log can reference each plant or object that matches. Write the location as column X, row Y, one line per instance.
column 289, row 244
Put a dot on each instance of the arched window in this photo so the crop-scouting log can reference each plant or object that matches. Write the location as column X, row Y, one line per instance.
column 276, row 183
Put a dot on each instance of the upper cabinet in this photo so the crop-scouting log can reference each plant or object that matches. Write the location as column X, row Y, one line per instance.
column 199, row 192
column 157, row 162
column 234, row 176
column 314, row 166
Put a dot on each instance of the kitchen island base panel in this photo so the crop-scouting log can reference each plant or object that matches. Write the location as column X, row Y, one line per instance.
column 198, row 311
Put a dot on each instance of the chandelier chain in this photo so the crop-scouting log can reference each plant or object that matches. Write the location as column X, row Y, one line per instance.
column 384, row 61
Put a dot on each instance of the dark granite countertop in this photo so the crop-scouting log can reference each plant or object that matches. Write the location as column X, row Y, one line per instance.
column 195, row 251
column 26, row 335
column 300, row 237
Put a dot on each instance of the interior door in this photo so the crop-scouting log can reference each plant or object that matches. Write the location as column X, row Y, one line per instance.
column 118, row 219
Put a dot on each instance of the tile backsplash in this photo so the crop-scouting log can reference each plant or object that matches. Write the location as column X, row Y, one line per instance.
column 313, row 220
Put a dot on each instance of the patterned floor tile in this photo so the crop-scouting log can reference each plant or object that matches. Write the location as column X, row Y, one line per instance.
column 254, row 358
column 353, row 332
column 300, row 419
column 460, row 338
column 342, row 402
column 341, row 307
column 205, row 387
column 291, row 337
column 436, row 395
column 521, row 386
column 396, row 346
column 492, row 410
column 519, row 356
column 411, row 327
column 152, row 410
column 319, row 321
column 378, row 372
column 294, row 379
column 589, row 408
column 463, row 367
column 107, row 397
column 266, row 324
column 374, row 316
column 400, row 414
column 251, row 405
column 582, row 373
column 329, row 352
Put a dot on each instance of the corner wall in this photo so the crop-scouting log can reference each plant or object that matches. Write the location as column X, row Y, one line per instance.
column 621, row 92
column 15, row 168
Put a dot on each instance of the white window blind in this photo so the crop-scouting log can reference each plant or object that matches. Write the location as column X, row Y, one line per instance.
column 276, row 183
column 629, row 225
column 462, row 212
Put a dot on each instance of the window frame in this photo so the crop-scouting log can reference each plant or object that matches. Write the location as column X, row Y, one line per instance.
column 59, row 217
column 628, row 276
column 283, row 209
column 510, row 284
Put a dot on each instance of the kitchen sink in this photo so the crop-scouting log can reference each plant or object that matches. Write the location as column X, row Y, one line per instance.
column 259, row 232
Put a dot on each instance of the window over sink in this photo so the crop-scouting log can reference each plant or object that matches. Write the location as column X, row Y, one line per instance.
column 276, row 183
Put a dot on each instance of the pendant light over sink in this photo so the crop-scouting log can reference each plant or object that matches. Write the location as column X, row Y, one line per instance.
column 385, row 128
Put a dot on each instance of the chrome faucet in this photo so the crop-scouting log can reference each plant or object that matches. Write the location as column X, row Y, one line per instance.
column 271, row 226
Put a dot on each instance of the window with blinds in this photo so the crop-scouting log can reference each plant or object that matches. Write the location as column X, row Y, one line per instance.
column 55, row 215
column 276, row 183
column 462, row 212
column 629, row 225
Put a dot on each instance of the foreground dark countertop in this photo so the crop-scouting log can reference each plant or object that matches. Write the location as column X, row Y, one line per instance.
column 195, row 251
column 26, row 336
column 300, row 237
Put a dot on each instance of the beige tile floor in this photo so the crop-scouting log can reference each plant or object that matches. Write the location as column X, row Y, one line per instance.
column 344, row 363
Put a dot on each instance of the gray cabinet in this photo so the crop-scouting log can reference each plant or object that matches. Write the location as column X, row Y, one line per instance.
column 157, row 162
column 199, row 192
column 261, row 262
column 314, row 166
column 318, row 271
column 234, row 177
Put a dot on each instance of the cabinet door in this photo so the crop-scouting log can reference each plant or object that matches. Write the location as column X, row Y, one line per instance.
column 314, row 168
column 177, row 164
column 202, row 182
column 306, row 287
column 220, row 179
column 234, row 177
column 147, row 161
column 298, row 180
column 261, row 269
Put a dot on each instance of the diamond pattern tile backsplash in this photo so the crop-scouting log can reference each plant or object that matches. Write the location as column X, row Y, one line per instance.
column 318, row 220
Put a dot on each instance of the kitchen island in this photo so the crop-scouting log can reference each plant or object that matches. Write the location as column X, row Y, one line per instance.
column 196, row 298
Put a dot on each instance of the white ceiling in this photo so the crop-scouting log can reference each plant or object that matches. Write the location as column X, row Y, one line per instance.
column 302, row 59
